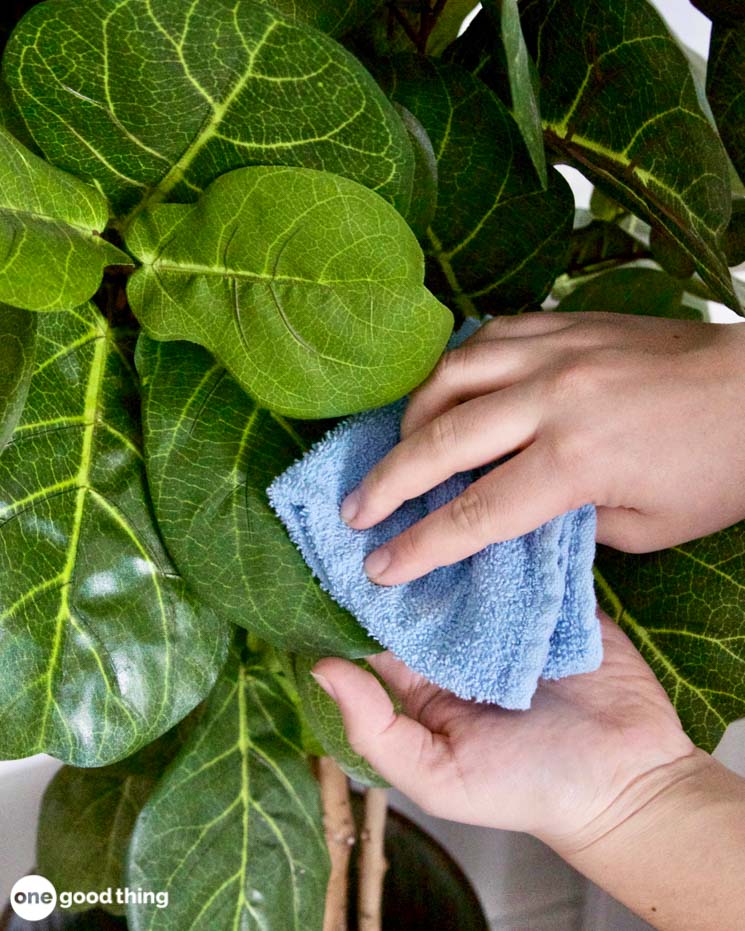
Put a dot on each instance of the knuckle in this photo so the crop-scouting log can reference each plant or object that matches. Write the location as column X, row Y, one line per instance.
column 469, row 512
column 576, row 377
column 443, row 433
column 451, row 366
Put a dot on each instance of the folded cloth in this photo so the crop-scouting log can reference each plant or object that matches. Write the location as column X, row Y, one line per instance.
column 485, row 628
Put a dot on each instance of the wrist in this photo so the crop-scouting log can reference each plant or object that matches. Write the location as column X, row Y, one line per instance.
column 663, row 792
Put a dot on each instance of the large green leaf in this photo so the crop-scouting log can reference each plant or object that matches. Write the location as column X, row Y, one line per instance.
column 305, row 285
column 211, row 454
column 101, row 646
column 233, row 832
column 646, row 291
column 684, row 609
column 324, row 718
column 51, row 253
column 327, row 15
column 725, row 85
column 524, row 105
column 619, row 101
column 155, row 98
column 497, row 240
column 87, row 817
column 17, row 348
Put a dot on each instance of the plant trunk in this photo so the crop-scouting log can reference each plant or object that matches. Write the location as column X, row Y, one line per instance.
column 338, row 824
column 372, row 862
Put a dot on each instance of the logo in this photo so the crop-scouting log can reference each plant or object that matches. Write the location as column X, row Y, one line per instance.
column 33, row 898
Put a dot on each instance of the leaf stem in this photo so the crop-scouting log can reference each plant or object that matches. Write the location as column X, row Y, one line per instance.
column 372, row 862
column 338, row 824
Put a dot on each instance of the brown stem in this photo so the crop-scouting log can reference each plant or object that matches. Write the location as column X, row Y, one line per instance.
column 372, row 862
column 338, row 824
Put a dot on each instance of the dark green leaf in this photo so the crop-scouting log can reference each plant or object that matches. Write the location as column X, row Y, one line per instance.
column 156, row 98
column 497, row 240
column 17, row 348
column 306, row 286
column 51, row 253
column 619, row 101
column 233, row 832
column 725, row 85
column 101, row 646
column 734, row 237
column 524, row 105
column 644, row 291
column 327, row 15
column 325, row 720
column 424, row 205
column 211, row 454
column 87, row 817
column 722, row 10
column 403, row 27
column 668, row 253
column 684, row 609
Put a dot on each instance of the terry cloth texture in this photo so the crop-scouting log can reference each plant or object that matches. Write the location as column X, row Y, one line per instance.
column 485, row 628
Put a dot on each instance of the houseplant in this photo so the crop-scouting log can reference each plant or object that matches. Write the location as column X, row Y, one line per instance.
column 225, row 224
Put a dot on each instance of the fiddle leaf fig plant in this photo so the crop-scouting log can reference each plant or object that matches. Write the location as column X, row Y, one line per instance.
column 225, row 224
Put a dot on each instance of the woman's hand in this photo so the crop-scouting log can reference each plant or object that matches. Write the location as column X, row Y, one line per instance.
column 592, row 749
column 637, row 415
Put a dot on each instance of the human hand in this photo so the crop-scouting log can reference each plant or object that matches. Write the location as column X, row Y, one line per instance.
column 637, row 415
column 591, row 750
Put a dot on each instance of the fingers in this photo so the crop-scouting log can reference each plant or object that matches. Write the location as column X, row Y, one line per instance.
column 470, row 370
column 513, row 499
column 402, row 750
column 536, row 323
column 471, row 435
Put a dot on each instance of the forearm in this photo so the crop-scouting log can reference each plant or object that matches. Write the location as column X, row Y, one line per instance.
column 676, row 854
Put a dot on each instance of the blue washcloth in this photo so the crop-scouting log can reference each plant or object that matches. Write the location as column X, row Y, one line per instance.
column 487, row 627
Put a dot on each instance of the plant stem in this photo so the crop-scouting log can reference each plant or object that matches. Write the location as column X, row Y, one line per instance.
column 338, row 824
column 372, row 862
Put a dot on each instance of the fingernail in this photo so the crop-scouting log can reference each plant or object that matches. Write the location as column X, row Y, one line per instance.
column 325, row 684
column 350, row 506
column 377, row 562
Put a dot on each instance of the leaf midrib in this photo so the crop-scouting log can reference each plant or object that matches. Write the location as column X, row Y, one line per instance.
column 91, row 406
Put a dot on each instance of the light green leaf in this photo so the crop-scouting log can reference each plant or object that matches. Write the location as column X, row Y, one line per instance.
column 645, row 291
column 725, row 85
column 155, row 98
column 51, row 253
column 618, row 100
column 101, row 646
column 524, row 105
column 233, row 832
column 684, row 609
column 17, row 348
column 497, row 240
column 211, row 454
column 323, row 716
column 87, row 817
column 306, row 286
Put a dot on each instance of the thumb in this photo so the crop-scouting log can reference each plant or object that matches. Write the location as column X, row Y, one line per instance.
column 402, row 750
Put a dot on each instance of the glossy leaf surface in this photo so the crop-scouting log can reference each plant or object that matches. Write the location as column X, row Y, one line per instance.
column 233, row 831
column 619, row 101
column 269, row 92
column 51, row 253
column 211, row 454
column 101, row 646
column 17, row 349
column 306, row 286
column 683, row 609
column 497, row 240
